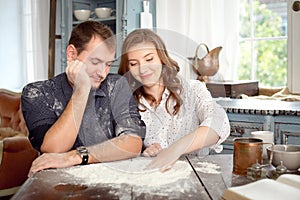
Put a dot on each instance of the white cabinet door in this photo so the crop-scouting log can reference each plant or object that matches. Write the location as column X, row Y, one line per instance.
column 294, row 46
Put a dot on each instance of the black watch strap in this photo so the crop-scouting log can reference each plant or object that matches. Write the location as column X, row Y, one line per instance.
column 84, row 154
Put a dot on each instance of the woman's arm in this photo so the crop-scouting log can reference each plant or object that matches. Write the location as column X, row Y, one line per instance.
column 200, row 138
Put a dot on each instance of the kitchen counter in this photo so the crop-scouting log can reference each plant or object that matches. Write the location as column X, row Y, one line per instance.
column 257, row 106
column 248, row 115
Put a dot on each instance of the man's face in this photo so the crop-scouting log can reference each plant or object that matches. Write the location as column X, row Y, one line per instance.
column 98, row 59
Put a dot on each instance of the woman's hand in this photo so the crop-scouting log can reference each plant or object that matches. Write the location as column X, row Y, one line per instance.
column 165, row 159
column 152, row 150
column 201, row 137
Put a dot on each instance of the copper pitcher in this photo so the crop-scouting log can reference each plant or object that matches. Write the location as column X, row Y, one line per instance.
column 208, row 65
column 246, row 152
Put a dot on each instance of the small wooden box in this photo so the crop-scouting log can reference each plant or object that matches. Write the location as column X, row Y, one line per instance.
column 232, row 89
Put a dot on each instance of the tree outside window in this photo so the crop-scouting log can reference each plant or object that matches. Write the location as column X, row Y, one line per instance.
column 263, row 42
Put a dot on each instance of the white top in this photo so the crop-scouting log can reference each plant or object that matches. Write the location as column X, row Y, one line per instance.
column 198, row 109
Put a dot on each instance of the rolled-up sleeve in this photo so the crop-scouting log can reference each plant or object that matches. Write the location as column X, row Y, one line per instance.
column 125, row 111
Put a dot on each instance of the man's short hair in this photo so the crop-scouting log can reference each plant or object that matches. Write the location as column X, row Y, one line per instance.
column 83, row 33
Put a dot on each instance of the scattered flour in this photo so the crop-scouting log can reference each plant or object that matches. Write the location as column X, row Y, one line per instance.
column 207, row 167
column 131, row 172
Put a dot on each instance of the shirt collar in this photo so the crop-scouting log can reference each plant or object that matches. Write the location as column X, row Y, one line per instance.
column 99, row 93
column 165, row 95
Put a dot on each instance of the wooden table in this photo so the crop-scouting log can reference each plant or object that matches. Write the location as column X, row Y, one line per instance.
column 56, row 184
column 218, row 179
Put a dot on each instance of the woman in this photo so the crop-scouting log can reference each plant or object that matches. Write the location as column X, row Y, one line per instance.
column 181, row 117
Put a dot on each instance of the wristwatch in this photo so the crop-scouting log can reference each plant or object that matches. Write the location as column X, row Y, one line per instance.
column 84, row 154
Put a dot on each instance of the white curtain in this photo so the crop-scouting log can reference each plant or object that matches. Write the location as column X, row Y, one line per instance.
column 36, row 38
column 24, row 42
column 191, row 22
column 11, row 73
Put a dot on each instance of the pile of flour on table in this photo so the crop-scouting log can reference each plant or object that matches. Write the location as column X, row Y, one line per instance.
column 131, row 171
column 208, row 168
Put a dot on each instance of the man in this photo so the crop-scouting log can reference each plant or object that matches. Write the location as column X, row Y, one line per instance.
column 85, row 115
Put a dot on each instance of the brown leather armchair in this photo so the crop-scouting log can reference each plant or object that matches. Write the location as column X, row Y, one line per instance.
column 16, row 152
column 10, row 111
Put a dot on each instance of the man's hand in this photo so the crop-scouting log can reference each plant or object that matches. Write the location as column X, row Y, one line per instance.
column 152, row 150
column 76, row 73
column 54, row 160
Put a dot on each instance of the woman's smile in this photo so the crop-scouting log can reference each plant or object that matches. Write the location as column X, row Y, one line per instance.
column 146, row 76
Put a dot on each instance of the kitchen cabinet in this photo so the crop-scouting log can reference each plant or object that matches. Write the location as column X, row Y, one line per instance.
column 247, row 115
column 125, row 19
column 287, row 131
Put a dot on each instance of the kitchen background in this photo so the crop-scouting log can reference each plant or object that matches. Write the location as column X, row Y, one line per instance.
column 258, row 37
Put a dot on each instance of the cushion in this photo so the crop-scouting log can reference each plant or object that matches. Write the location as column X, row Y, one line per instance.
column 11, row 112
column 16, row 156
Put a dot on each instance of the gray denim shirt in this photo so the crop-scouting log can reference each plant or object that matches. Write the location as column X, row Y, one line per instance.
column 111, row 110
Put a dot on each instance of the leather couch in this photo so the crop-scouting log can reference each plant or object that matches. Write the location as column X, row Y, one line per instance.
column 16, row 152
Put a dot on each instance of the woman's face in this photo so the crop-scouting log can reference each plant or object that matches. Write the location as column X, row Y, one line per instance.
column 145, row 64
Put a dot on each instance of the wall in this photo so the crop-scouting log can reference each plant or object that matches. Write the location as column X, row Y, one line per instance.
column 293, row 49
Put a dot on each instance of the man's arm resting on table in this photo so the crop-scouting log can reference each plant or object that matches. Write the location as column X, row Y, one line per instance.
column 119, row 148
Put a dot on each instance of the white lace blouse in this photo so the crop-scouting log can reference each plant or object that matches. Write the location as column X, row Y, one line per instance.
column 198, row 109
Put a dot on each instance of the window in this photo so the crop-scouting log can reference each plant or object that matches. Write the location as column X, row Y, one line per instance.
column 263, row 42
column 24, row 43
column 12, row 74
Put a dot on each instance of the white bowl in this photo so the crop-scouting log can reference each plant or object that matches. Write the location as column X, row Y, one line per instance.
column 82, row 15
column 288, row 154
column 103, row 12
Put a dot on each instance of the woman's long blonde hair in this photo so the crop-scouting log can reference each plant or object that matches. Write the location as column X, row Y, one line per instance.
column 169, row 71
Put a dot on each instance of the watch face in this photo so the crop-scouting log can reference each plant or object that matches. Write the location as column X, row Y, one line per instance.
column 84, row 153
column 82, row 150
